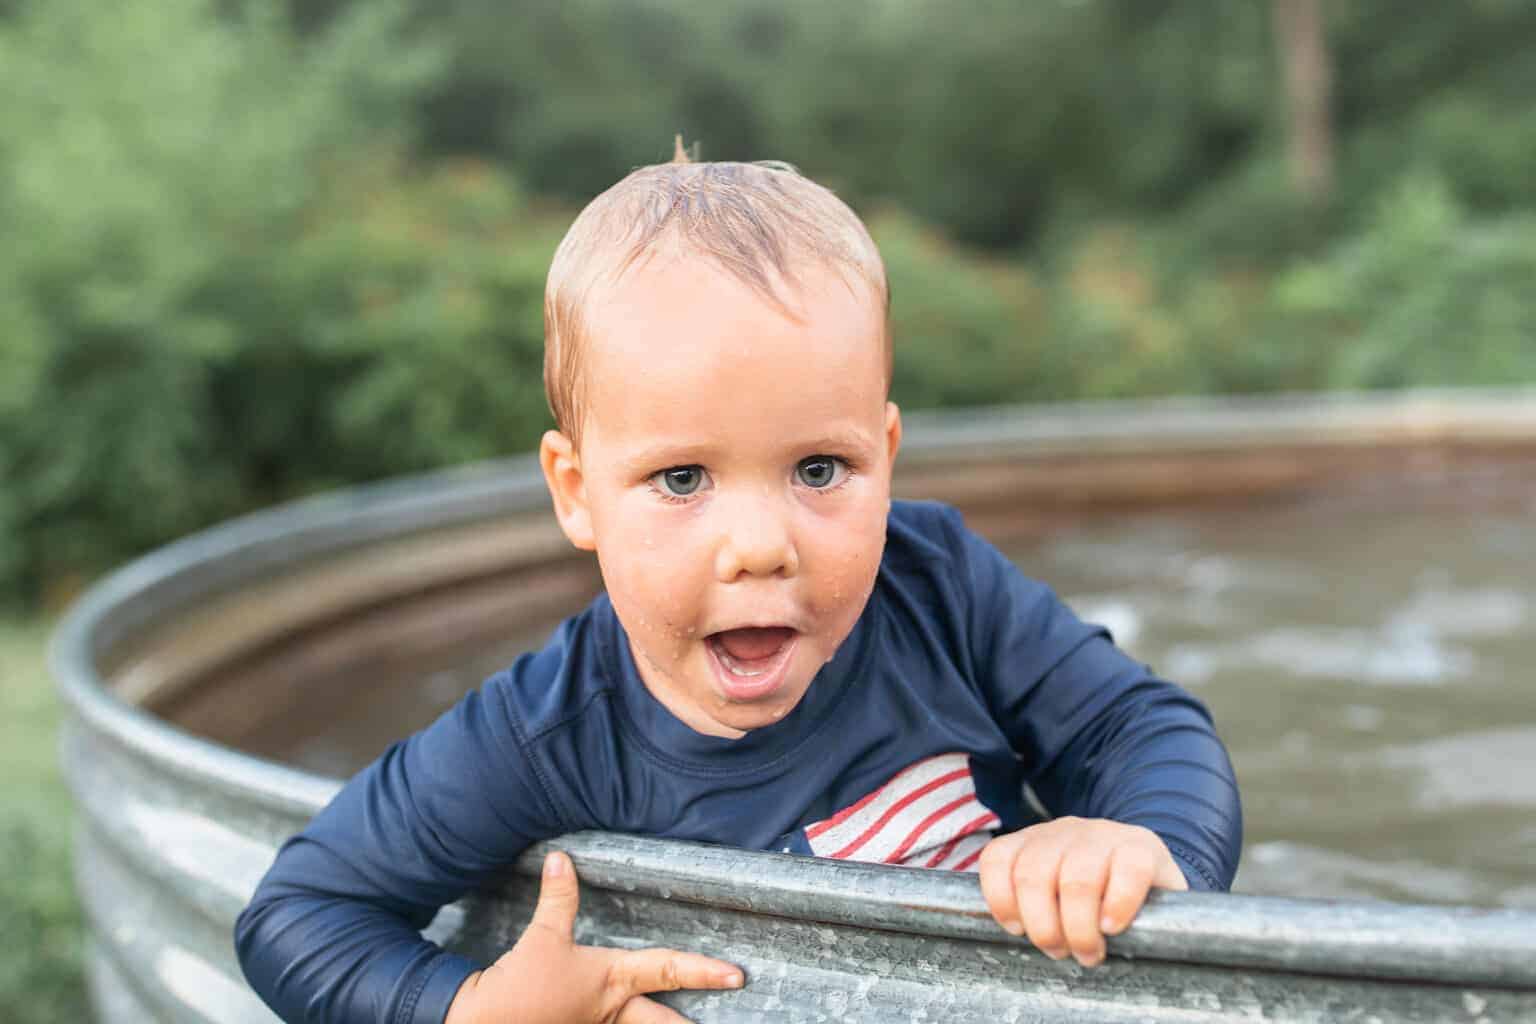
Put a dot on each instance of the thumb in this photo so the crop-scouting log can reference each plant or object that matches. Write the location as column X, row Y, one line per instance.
column 558, row 897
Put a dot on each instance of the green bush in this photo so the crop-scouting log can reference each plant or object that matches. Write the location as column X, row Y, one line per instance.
column 219, row 287
column 995, row 120
column 966, row 329
column 1426, row 296
column 1122, row 324
column 402, row 332
column 985, row 118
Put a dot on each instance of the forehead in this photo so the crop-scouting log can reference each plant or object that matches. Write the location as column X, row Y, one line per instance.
column 681, row 345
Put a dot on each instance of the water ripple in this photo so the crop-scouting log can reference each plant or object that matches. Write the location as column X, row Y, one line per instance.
column 1392, row 657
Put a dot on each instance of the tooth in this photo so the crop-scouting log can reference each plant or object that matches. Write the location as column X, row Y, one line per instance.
column 734, row 667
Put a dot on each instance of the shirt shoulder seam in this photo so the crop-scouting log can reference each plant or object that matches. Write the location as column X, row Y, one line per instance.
column 528, row 742
column 601, row 693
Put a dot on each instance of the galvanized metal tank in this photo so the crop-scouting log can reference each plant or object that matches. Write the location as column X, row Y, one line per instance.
column 244, row 631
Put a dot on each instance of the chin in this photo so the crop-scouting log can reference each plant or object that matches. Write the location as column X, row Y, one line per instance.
column 748, row 719
column 758, row 713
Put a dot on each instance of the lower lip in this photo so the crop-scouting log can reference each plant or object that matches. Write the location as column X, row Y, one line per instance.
column 756, row 687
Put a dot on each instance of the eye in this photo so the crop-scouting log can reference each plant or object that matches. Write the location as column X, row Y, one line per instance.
column 820, row 472
column 679, row 481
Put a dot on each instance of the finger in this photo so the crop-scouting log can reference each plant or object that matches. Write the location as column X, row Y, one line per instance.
column 1130, row 876
column 996, row 867
column 1169, row 875
column 1081, row 884
column 667, row 970
column 559, row 897
column 1034, row 887
column 640, row 1010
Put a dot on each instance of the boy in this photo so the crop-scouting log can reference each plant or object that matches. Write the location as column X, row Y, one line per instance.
column 784, row 659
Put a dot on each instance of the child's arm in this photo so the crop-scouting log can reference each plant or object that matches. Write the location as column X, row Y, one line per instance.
column 547, row 979
column 1130, row 763
column 1147, row 799
column 332, row 933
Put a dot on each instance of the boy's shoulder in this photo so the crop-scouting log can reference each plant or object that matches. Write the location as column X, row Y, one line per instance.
column 927, row 536
column 566, row 679
column 930, row 526
column 924, row 514
column 931, row 562
column 945, row 567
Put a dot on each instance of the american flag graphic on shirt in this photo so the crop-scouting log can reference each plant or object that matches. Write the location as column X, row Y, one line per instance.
column 927, row 815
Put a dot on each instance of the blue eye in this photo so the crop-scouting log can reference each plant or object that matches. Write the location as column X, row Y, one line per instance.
column 680, row 481
column 820, row 471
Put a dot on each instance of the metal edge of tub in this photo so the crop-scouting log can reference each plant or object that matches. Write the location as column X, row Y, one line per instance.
column 175, row 831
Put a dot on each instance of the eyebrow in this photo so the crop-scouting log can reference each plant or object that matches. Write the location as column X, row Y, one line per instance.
column 667, row 455
column 688, row 454
column 842, row 439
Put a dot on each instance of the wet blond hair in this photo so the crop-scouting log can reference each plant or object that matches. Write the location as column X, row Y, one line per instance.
column 758, row 221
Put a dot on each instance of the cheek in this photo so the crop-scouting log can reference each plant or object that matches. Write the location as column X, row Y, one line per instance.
column 651, row 575
column 848, row 556
column 634, row 542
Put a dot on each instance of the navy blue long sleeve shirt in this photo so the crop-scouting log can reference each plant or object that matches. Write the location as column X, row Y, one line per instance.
column 961, row 682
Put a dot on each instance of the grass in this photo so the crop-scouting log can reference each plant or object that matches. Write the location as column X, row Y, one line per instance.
column 40, row 969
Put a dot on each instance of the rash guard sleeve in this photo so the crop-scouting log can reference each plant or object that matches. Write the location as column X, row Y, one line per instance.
column 332, row 934
column 1100, row 735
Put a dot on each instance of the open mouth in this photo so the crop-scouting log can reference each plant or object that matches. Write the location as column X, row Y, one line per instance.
column 751, row 662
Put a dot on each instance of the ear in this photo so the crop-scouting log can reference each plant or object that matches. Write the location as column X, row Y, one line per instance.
column 892, row 432
column 562, row 473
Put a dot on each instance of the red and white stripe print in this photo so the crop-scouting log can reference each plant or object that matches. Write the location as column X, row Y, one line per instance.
column 927, row 815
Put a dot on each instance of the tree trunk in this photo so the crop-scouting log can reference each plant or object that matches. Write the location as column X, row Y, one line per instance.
column 1303, row 54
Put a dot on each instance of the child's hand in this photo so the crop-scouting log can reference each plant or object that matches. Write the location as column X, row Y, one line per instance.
column 1069, row 882
column 547, row 979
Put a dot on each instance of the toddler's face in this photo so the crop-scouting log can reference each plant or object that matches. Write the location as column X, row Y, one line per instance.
column 734, row 478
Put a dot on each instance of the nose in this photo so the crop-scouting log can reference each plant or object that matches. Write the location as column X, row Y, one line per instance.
column 756, row 540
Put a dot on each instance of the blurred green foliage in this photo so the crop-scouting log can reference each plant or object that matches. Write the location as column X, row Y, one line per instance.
column 40, row 980
column 1426, row 295
column 256, row 248
column 219, row 283
column 997, row 122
